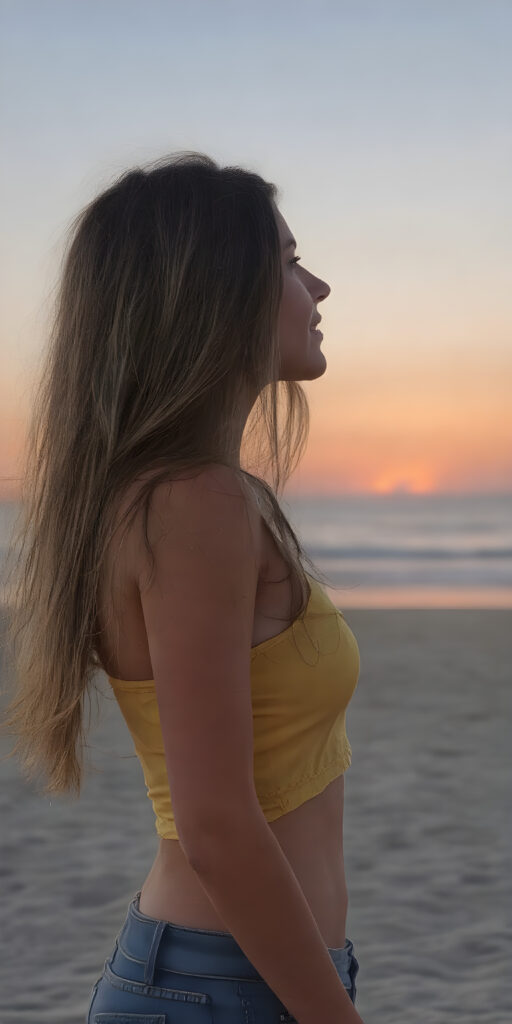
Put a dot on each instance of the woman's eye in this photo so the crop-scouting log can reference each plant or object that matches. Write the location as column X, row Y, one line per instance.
column 295, row 259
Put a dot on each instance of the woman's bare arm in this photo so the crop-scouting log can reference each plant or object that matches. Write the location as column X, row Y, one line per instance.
column 252, row 886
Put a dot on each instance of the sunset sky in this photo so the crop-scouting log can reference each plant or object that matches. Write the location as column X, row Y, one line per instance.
column 386, row 126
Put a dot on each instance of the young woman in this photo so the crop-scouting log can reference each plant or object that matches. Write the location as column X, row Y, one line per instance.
column 147, row 551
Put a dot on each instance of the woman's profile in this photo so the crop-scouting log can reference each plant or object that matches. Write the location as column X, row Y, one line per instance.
column 183, row 325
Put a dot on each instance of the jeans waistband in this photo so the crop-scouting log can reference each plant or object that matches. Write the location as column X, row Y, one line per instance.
column 175, row 947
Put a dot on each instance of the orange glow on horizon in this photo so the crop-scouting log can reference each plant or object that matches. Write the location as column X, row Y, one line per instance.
column 410, row 481
column 375, row 453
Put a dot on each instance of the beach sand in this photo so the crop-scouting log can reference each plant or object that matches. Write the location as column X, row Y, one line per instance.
column 427, row 836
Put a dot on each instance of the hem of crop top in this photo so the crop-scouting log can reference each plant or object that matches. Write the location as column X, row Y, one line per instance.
column 265, row 645
column 289, row 798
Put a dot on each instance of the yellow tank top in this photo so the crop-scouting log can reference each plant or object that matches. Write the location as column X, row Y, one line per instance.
column 301, row 683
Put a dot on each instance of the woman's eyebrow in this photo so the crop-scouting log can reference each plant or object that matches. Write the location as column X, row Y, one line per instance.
column 291, row 241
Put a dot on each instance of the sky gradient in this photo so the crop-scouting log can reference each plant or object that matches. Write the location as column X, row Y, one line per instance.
column 386, row 126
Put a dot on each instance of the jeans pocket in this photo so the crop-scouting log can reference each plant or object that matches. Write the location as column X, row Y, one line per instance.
column 129, row 1018
column 120, row 1000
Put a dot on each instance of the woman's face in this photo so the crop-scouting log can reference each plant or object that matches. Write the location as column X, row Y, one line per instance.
column 301, row 355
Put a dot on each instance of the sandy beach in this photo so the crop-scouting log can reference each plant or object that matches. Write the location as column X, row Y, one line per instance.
column 427, row 834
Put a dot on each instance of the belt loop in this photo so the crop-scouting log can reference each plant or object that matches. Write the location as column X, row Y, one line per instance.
column 149, row 967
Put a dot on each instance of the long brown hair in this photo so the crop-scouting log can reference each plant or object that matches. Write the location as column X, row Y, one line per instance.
column 166, row 311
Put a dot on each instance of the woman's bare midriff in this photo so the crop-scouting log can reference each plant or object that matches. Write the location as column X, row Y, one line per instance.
column 311, row 836
column 311, row 839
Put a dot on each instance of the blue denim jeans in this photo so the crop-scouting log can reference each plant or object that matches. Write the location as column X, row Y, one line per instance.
column 163, row 973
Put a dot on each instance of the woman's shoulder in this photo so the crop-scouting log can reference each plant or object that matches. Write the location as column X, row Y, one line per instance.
column 193, row 493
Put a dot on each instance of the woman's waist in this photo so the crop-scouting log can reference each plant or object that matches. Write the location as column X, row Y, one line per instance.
column 173, row 892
